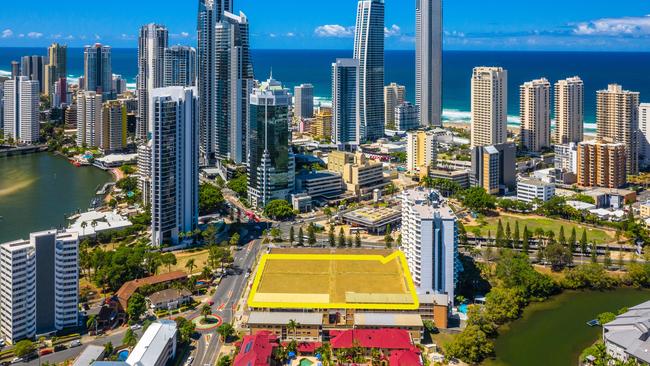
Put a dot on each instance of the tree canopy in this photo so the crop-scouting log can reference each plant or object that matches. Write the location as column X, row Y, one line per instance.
column 210, row 199
column 279, row 210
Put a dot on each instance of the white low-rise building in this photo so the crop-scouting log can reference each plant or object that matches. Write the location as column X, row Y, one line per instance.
column 627, row 337
column 157, row 345
column 531, row 189
column 91, row 223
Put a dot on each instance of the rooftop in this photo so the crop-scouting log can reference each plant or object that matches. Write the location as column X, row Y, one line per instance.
column 90, row 354
column 390, row 339
column 104, row 221
column 167, row 295
column 631, row 331
column 387, row 319
column 152, row 343
column 373, row 216
column 128, row 288
column 331, row 279
column 256, row 350
column 267, row 317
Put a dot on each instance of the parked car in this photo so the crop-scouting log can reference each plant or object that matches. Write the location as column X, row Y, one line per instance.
column 189, row 361
column 136, row 327
column 75, row 343
column 17, row 360
column 45, row 351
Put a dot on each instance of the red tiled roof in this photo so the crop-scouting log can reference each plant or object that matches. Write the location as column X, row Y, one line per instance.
column 391, row 339
column 404, row 358
column 256, row 350
column 129, row 288
column 305, row 347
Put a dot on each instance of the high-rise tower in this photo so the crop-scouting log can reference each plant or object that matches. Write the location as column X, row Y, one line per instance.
column 152, row 43
column 174, row 163
column 210, row 12
column 569, row 110
column 233, row 85
column 535, row 113
column 369, row 50
column 489, row 106
column 428, row 61
column 98, row 71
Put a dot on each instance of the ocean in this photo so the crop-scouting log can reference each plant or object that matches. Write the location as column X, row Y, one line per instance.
column 293, row 67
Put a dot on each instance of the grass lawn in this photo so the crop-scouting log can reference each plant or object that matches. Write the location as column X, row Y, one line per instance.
column 200, row 261
column 600, row 236
column 442, row 339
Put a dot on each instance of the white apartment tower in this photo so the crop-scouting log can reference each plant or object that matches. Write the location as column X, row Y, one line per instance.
column 345, row 103
column 569, row 110
column 369, row 50
column 489, row 105
column 152, row 42
column 40, row 284
column 89, row 118
column 180, row 66
column 393, row 96
column 233, row 85
column 535, row 113
column 430, row 242
column 21, row 101
column 644, row 139
column 174, row 163
column 617, row 121
column 428, row 61
column 304, row 101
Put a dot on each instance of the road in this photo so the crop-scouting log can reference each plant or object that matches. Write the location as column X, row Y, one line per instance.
column 225, row 300
column 54, row 358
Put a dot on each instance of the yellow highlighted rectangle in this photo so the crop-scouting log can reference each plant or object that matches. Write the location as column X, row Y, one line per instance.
column 334, row 281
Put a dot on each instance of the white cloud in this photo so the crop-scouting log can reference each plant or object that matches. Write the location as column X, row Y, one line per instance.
column 185, row 34
column 272, row 35
column 56, row 36
column 97, row 37
column 70, row 36
column 7, row 33
column 334, row 30
column 34, row 35
column 291, row 34
column 393, row 31
column 625, row 26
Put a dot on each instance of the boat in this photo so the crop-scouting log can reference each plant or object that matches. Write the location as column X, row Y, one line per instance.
column 593, row 323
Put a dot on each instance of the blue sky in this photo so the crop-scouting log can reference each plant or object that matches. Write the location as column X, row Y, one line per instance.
column 469, row 24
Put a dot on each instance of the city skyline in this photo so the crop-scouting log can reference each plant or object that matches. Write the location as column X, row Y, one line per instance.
column 509, row 27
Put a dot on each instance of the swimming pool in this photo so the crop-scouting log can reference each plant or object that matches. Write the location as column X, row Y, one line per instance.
column 306, row 362
column 123, row 355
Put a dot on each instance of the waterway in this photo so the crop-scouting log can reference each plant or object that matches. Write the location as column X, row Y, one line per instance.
column 555, row 332
column 37, row 191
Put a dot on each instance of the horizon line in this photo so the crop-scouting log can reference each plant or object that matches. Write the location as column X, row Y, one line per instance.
column 388, row 49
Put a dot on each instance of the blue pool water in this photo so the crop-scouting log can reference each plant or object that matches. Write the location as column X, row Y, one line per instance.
column 462, row 308
column 122, row 355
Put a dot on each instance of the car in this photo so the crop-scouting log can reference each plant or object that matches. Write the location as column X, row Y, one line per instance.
column 45, row 351
column 189, row 361
column 136, row 327
column 75, row 343
column 211, row 302
column 17, row 360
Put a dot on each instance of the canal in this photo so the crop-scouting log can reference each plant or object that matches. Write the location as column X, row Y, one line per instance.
column 555, row 332
column 38, row 190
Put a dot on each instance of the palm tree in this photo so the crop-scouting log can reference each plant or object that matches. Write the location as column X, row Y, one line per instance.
column 293, row 326
column 206, row 310
column 84, row 225
column 94, row 224
column 190, row 265
column 340, row 356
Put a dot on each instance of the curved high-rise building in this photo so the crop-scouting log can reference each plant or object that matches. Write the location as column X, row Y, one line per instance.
column 233, row 84
column 428, row 61
column 210, row 12
column 369, row 50
column 98, row 71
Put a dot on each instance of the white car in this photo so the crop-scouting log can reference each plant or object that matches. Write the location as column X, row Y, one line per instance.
column 136, row 327
column 189, row 361
column 17, row 360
